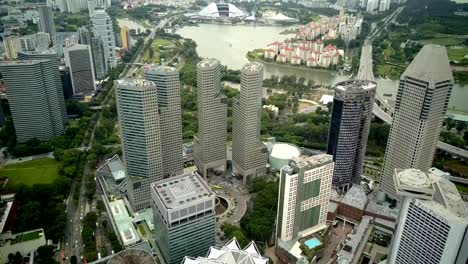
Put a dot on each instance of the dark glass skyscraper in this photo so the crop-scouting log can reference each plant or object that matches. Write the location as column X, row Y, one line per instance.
column 349, row 129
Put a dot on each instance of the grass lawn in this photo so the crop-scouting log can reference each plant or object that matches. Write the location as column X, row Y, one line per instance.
column 142, row 229
column 444, row 40
column 157, row 44
column 44, row 170
column 457, row 54
column 457, row 166
column 390, row 71
column 461, row 187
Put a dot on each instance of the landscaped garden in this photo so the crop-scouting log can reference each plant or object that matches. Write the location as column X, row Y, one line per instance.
column 43, row 171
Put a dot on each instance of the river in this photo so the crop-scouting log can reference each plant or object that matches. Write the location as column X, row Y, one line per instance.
column 230, row 43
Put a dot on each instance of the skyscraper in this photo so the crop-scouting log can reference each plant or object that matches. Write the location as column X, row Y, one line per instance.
column 305, row 183
column 54, row 61
column 32, row 90
column 167, row 84
column 137, row 106
column 126, row 38
column 249, row 154
column 210, row 141
column 184, row 217
column 91, row 7
column 78, row 59
column 421, row 105
column 432, row 223
column 97, row 51
column 104, row 30
column 305, row 188
column 349, row 129
column 12, row 46
column 46, row 21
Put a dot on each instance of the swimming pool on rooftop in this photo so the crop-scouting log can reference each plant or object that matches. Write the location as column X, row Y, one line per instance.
column 312, row 243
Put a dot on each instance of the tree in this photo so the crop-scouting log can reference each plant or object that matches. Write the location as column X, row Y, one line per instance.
column 460, row 126
column 45, row 255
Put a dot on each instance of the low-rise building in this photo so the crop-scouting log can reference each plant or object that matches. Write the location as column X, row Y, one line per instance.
column 23, row 243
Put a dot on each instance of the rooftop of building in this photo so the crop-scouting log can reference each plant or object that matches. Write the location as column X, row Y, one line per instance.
column 252, row 67
column 135, row 82
column 355, row 86
column 451, row 198
column 314, row 161
column 77, row 47
column 139, row 255
column 181, row 190
column 208, row 63
column 458, row 117
column 355, row 197
column 230, row 253
column 413, row 183
column 7, row 63
column 124, row 222
column 158, row 69
column 431, row 64
column 38, row 52
column 349, row 250
column 115, row 167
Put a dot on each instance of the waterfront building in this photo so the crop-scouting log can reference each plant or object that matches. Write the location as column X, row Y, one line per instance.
column 349, row 129
column 184, row 217
column 432, row 223
column 33, row 91
column 78, row 59
column 249, row 154
column 230, row 253
column 138, row 110
column 167, row 84
column 12, row 46
column 210, row 141
column 305, row 188
column 104, row 30
column 46, row 21
column 126, row 38
column 421, row 105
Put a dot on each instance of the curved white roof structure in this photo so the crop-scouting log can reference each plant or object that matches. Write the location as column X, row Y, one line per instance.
column 216, row 10
column 280, row 17
column 285, row 151
column 230, row 253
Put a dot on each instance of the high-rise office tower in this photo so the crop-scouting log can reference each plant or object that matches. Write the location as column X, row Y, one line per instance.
column 349, row 129
column 249, row 154
column 54, row 61
column 432, row 223
column 97, row 50
column 384, row 5
column 210, row 141
column 184, row 217
column 421, row 105
column 78, row 59
column 137, row 106
column 66, row 82
column 34, row 101
column 91, row 7
column 104, row 30
column 305, row 188
column 46, row 21
column 12, row 46
column 167, row 84
column 99, row 59
column 126, row 38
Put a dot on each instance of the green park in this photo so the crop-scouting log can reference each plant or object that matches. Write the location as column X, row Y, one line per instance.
column 38, row 171
column 158, row 50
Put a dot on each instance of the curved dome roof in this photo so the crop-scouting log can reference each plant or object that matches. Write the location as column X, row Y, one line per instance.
column 221, row 10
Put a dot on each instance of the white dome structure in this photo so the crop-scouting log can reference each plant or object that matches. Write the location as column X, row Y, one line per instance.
column 282, row 153
column 219, row 10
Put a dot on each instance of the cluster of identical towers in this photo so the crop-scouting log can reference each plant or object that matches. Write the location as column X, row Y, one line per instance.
column 151, row 126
